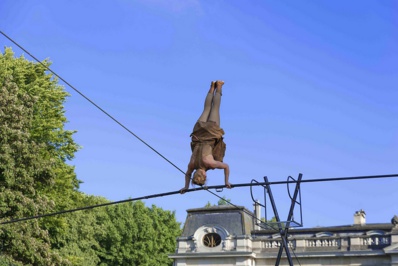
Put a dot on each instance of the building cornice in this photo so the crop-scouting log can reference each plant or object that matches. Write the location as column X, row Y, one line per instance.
column 226, row 254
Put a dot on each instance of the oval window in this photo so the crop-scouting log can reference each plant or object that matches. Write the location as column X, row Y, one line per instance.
column 212, row 240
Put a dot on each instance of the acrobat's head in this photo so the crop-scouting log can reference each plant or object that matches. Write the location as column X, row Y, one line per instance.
column 199, row 177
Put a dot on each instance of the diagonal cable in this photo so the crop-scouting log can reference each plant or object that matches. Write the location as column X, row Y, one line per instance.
column 93, row 103
column 132, row 133
column 202, row 188
column 102, row 110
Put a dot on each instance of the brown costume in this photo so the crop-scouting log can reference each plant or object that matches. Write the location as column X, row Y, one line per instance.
column 207, row 138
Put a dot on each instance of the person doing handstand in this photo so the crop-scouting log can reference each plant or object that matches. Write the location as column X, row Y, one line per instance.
column 208, row 147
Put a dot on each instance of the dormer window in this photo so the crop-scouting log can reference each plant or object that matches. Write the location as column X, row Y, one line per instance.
column 211, row 240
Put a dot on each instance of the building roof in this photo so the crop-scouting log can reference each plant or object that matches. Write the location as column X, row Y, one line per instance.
column 237, row 220
column 335, row 229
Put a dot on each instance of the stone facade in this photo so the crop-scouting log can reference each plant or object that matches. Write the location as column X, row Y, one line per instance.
column 226, row 235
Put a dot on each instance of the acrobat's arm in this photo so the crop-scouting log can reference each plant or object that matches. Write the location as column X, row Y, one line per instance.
column 187, row 177
column 220, row 165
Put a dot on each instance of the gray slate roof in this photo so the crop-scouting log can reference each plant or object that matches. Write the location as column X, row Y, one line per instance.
column 235, row 220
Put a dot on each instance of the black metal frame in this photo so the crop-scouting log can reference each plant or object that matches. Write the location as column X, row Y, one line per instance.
column 283, row 226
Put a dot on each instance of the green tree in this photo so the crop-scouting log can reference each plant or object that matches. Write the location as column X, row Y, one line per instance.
column 78, row 239
column 35, row 178
column 221, row 202
column 23, row 166
column 167, row 229
column 137, row 235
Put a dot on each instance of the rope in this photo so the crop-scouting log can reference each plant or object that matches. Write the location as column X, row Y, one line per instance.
column 193, row 190
column 93, row 103
column 162, row 194
column 102, row 110
column 104, row 204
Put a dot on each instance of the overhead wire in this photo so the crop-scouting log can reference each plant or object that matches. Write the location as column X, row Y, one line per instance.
column 295, row 256
column 193, row 190
column 102, row 110
column 206, row 188
column 92, row 102
column 106, row 204
column 153, row 149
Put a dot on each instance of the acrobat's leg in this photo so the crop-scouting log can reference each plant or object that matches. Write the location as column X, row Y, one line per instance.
column 208, row 103
column 215, row 110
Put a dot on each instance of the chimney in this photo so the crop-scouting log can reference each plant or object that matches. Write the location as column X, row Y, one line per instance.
column 257, row 214
column 360, row 217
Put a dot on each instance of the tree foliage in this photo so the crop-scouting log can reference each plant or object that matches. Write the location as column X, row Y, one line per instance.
column 222, row 201
column 137, row 235
column 35, row 178
column 24, row 168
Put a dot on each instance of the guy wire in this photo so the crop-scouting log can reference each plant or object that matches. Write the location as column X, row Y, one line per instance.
column 103, row 111
column 97, row 106
column 136, row 136
column 93, row 103
column 192, row 190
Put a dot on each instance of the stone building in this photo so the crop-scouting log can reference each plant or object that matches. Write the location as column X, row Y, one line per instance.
column 227, row 235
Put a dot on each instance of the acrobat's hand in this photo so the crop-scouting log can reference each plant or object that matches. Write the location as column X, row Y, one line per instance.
column 183, row 190
column 228, row 185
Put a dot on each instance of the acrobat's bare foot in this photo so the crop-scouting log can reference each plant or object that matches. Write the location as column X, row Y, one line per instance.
column 219, row 84
column 212, row 86
column 228, row 185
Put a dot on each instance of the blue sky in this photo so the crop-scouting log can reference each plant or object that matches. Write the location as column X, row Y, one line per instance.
column 310, row 87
